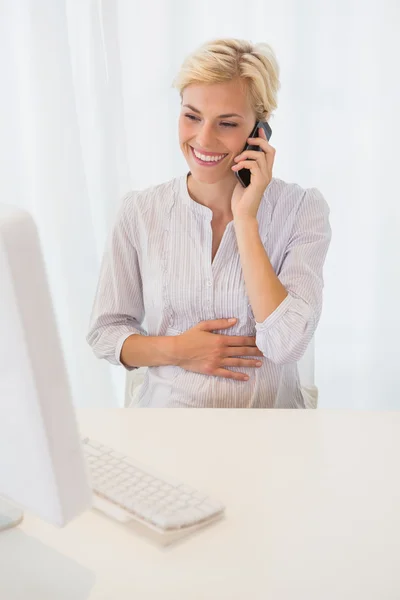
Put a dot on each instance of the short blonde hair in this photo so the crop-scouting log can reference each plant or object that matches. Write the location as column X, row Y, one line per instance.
column 222, row 60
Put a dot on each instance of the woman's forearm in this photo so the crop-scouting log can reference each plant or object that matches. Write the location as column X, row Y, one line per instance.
column 263, row 287
column 148, row 351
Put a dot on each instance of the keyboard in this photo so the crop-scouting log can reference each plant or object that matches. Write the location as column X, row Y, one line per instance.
column 127, row 490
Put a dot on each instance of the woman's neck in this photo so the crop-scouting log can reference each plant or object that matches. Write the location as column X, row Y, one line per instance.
column 216, row 196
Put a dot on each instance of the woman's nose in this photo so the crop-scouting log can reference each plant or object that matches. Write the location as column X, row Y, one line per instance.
column 205, row 138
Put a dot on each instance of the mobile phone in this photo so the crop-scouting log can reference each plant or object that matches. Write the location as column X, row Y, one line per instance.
column 244, row 174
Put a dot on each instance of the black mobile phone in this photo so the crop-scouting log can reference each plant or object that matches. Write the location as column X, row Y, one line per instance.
column 244, row 174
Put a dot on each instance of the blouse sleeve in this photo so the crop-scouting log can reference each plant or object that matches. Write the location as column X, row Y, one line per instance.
column 285, row 334
column 118, row 309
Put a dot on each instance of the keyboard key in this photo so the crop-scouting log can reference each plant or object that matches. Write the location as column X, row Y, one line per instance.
column 92, row 451
column 185, row 489
column 117, row 455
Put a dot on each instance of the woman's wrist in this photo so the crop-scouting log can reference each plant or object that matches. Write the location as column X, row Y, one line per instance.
column 149, row 351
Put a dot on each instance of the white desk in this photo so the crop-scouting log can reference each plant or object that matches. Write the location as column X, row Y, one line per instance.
column 313, row 509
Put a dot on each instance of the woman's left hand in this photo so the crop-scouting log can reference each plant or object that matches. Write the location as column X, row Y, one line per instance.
column 245, row 201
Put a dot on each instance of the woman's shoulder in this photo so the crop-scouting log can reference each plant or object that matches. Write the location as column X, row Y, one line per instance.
column 283, row 196
column 151, row 197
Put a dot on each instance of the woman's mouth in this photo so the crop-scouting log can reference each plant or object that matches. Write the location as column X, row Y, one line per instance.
column 209, row 161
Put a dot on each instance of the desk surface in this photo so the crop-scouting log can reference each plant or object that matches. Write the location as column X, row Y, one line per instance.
column 313, row 507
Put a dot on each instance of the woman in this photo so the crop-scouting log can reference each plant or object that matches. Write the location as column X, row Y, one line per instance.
column 192, row 252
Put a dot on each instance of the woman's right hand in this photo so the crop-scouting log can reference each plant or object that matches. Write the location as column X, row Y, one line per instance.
column 201, row 351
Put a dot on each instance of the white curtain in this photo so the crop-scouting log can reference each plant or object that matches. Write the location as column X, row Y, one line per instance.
column 88, row 112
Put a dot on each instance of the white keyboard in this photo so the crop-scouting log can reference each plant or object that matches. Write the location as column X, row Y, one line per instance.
column 138, row 493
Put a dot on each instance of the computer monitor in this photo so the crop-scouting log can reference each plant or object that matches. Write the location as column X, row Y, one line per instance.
column 42, row 466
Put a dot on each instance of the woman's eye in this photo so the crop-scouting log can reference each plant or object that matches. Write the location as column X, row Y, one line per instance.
column 193, row 118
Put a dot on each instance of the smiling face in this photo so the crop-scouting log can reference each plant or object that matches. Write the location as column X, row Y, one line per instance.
column 215, row 121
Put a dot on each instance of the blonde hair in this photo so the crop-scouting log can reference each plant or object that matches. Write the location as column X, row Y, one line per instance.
column 222, row 60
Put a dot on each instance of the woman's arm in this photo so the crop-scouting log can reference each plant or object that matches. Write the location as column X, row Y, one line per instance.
column 118, row 310
column 263, row 287
column 148, row 351
column 287, row 305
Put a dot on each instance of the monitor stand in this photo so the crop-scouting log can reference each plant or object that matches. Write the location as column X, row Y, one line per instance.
column 10, row 516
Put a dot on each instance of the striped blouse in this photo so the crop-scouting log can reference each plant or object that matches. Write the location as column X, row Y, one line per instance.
column 157, row 278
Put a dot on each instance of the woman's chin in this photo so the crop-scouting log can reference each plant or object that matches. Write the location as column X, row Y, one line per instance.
column 209, row 175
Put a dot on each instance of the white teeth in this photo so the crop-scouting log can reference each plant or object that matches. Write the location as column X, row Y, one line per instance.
column 208, row 158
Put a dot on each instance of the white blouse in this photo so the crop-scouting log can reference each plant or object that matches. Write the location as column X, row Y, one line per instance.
column 157, row 268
